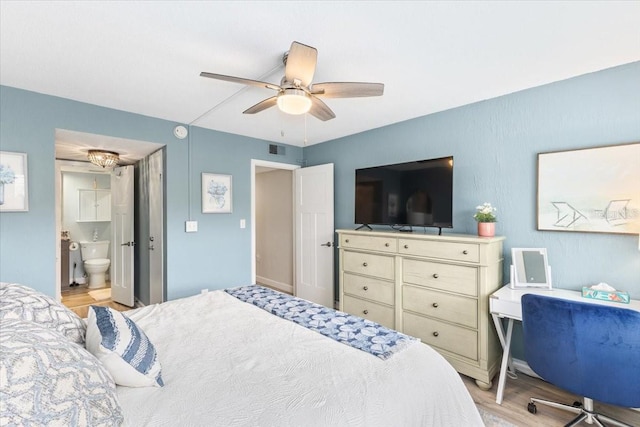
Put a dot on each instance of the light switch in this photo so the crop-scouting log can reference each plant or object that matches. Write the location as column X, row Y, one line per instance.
column 243, row 223
column 191, row 226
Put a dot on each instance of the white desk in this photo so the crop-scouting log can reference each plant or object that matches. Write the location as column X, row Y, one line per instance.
column 505, row 302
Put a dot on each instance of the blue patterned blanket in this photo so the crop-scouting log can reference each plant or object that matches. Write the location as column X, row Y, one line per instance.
column 355, row 331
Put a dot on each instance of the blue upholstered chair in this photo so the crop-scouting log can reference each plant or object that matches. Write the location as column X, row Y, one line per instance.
column 591, row 350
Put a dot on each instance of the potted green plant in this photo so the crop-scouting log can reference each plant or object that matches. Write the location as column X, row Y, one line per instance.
column 486, row 217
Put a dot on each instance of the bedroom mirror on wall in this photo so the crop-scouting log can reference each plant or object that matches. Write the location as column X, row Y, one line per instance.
column 98, row 207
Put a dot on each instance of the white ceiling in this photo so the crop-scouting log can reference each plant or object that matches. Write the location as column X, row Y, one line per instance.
column 145, row 57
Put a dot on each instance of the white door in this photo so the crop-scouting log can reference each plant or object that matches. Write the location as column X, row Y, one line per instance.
column 122, row 241
column 314, row 234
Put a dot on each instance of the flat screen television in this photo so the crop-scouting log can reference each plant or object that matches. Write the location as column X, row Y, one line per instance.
column 404, row 195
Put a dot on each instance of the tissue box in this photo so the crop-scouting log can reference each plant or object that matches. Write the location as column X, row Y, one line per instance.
column 615, row 296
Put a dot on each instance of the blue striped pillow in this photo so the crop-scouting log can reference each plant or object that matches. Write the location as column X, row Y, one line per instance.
column 123, row 348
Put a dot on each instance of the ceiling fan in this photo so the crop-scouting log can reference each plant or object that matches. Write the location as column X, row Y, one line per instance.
column 296, row 94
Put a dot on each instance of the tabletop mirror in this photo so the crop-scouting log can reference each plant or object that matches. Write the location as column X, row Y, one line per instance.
column 530, row 268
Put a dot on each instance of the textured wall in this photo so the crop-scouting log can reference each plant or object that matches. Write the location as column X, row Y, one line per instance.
column 217, row 256
column 495, row 145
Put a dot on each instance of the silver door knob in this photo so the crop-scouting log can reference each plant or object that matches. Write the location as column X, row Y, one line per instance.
column 328, row 244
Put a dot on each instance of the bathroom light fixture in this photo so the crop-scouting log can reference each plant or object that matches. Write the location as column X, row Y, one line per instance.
column 294, row 101
column 106, row 159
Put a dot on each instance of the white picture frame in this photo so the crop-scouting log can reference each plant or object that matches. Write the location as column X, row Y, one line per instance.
column 217, row 193
column 14, row 188
column 530, row 268
column 592, row 190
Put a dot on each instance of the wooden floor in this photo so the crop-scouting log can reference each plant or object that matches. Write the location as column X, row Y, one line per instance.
column 516, row 397
column 79, row 298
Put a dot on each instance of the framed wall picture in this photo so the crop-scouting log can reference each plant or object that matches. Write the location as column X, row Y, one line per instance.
column 14, row 195
column 590, row 190
column 216, row 193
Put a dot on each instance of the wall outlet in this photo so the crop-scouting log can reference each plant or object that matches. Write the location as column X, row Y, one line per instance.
column 191, row 226
column 243, row 223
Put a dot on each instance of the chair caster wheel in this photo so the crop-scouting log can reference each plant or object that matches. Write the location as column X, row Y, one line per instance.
column 531, row 407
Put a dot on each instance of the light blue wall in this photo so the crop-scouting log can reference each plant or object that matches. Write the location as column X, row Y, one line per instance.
column 495, row 145
column 215, row 257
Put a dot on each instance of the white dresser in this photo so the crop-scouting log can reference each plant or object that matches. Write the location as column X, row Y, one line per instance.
column 433, row 287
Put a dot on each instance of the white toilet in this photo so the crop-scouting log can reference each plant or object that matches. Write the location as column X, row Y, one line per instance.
column 96, row 261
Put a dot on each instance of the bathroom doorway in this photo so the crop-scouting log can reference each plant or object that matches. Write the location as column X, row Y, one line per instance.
column 71, row 162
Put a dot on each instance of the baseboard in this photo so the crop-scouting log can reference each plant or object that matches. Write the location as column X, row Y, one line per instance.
column 522, row 366
column 284, row 287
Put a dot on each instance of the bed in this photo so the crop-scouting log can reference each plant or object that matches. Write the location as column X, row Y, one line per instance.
column 226, row 362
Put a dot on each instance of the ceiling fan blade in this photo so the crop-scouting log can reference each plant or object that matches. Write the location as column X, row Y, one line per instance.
column 262, row 105
column 301, row 63
column 347, row 89
column 240, row 80
column 320, row 110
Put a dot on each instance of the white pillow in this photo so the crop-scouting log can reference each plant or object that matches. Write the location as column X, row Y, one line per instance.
column 123, row 348
column 22, row 302
column 49, row 381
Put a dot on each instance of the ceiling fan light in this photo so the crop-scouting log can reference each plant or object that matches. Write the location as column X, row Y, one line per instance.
column 294, row 101
column 106, row 159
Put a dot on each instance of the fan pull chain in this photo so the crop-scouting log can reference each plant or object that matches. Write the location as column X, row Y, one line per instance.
column 304, row 142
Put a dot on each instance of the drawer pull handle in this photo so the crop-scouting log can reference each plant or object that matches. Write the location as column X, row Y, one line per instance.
column 386, row 245
column 346, row 240
column 366, row 288
column 435, row 334
column 435, row 305
column 364, row 264
column 365, row 312
column 465, row 252
column 406, row 246
column 435, row 275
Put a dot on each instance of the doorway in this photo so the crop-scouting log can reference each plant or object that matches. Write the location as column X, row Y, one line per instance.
column 300, row 248
column 71, row 155
column 272, row 225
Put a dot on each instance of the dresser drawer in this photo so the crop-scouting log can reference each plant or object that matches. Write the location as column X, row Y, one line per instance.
column 367, row 287
column 455, row 339
column 370, row 243
column 443, row 250
column 369, row 310
column 454, row 308
column 372, row 265
column 452, row 278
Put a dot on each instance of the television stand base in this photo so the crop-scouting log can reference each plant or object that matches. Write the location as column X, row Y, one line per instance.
column 364, row 226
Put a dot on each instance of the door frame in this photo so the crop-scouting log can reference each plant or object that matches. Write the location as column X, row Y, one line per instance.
column 62, row 166
column 274, row 165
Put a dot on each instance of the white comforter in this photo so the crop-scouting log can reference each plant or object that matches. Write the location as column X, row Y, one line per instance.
column 228, row 363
